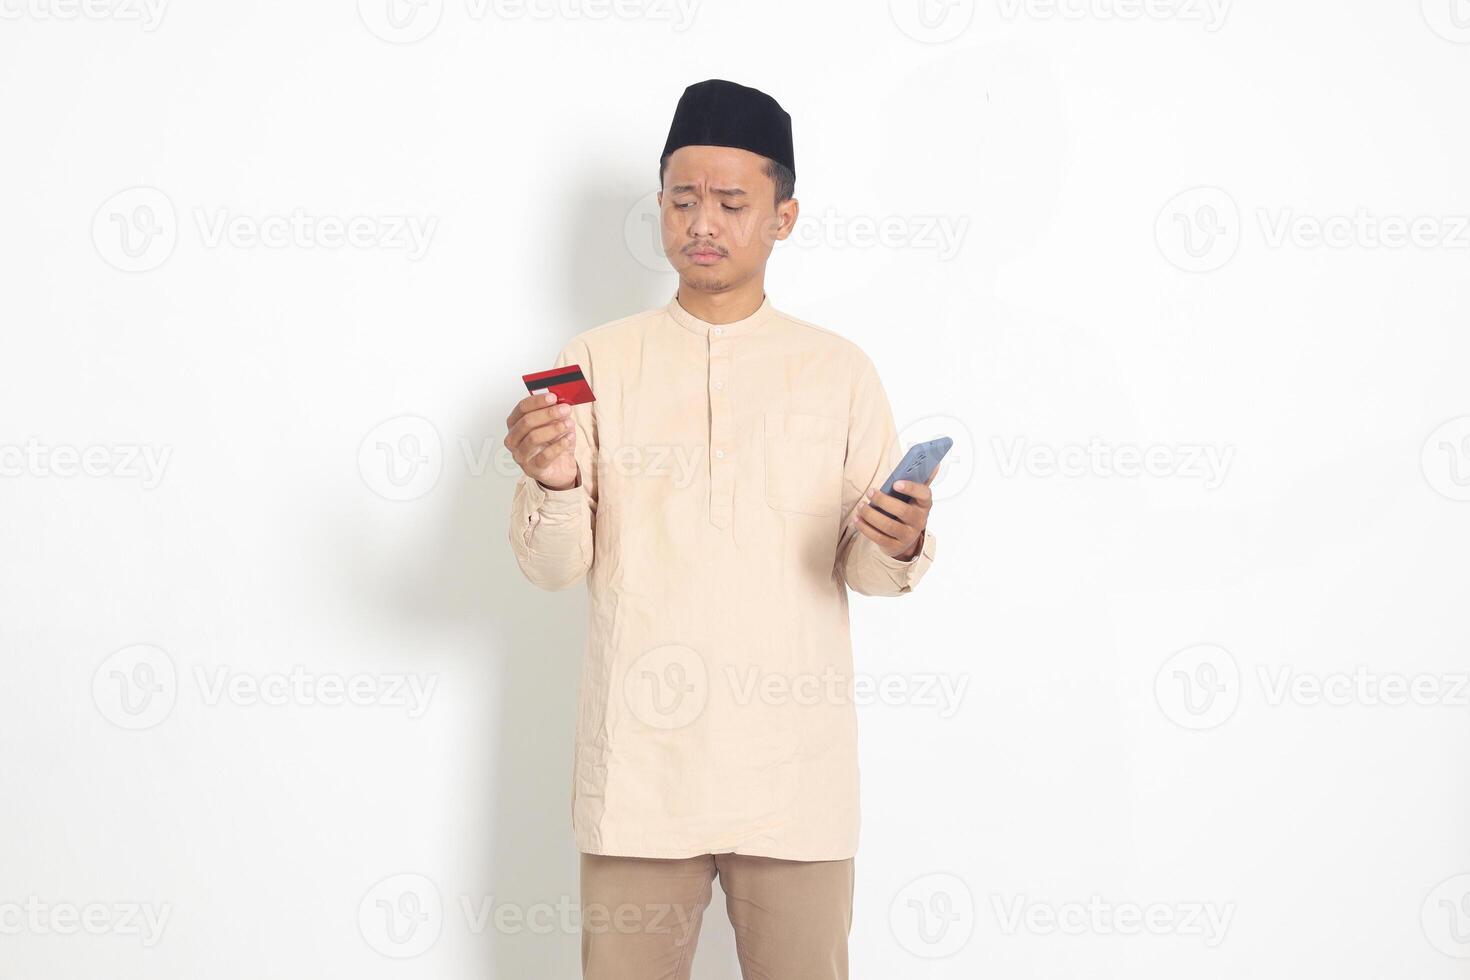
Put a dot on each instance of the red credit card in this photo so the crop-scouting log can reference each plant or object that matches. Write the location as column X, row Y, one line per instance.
column 568, row 384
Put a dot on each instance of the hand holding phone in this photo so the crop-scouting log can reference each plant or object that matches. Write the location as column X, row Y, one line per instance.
column 917, row 465
column 902, row 537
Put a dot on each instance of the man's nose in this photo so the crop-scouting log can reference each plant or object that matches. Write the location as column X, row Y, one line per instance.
column 706, row 222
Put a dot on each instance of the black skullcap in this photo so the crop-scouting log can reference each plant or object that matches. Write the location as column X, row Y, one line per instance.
column 721, row 113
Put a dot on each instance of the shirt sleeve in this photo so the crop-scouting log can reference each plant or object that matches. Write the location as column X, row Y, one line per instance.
column 873, row 451
column 552, row 531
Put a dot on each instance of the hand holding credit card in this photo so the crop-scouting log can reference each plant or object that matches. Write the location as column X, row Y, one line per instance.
column 568, row 384
column 542, row 436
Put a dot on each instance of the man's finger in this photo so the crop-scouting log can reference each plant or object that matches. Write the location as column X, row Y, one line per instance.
column 527, row 405
column 876, row 536
column 921, row 493
column 551, row 450
column 901, row 510
column 541, row 417
column 882, row 522
column 534, row 440
column 888, row 544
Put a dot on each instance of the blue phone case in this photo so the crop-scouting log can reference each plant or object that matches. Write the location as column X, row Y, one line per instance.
column 917, row 465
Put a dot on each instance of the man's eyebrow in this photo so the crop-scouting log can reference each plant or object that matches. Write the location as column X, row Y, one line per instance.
column 722, row 191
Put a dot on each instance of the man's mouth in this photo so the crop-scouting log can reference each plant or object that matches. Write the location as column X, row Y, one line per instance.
column 705, row 256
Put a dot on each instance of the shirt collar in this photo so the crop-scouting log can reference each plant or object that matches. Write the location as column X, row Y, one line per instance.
column 704, row 328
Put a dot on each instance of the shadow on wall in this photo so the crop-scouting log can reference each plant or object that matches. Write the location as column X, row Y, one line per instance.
column 514, row 831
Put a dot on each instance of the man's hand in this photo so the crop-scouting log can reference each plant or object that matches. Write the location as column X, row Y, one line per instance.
column 901, row 535
column 541, row 439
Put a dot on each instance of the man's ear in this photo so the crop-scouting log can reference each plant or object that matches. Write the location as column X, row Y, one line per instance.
column 786, row 214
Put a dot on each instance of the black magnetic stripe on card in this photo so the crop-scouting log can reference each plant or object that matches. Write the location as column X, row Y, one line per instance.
column 556, row 379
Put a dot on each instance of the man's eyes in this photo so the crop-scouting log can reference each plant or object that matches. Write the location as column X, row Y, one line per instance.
column 684, row 205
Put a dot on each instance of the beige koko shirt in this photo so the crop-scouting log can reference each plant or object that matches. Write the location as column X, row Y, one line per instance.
column 719, row 465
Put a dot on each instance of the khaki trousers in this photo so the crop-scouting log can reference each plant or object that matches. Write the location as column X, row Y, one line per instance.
column 641, row 916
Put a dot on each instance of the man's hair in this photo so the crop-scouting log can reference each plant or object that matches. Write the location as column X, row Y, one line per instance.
column 779, row 173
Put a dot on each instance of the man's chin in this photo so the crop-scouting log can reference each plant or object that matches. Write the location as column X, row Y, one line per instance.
column 703, row 279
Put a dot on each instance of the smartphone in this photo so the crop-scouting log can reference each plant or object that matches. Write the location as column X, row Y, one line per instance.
column 917, row 466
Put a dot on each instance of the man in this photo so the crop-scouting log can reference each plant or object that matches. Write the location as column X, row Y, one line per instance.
column 721, row 496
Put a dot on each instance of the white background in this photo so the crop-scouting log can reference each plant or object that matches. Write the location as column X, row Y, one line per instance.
column 1135, row 189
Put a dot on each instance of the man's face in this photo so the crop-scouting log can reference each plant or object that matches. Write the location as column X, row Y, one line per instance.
column 719, row 216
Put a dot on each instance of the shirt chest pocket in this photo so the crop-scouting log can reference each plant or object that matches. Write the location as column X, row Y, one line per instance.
column 803, row 457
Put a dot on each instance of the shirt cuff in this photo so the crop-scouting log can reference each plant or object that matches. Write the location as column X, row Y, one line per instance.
column 550, row 501
column 906, row 574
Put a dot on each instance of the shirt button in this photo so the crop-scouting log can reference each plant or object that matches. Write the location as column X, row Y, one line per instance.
column 719, row 330
column 719, row 385
column 719, row 454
